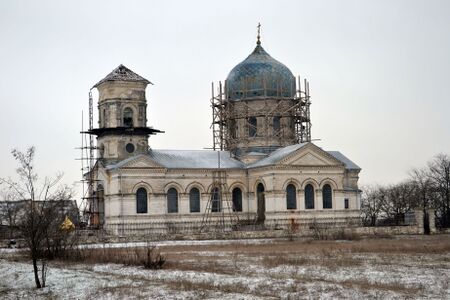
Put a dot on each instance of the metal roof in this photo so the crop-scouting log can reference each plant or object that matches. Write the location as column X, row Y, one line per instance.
column 195, row 159
column 122, row 73
column 347, row 162
column 208, row 159
column 276, row 156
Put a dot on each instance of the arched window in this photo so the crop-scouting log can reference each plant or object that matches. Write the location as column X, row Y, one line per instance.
column 237, row 199
column 172, row 200
column 309, row 196
column 276, row 124
column 215, row 199
column 291, row 197
column 327, row 196
column 101, row 204
column 141, row 201
column 252, row 126
column 128, row 117
column 194, row 200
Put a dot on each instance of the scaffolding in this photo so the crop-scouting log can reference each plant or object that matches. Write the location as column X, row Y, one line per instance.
column 90, row 207
column 220, row 213
column 227, row 114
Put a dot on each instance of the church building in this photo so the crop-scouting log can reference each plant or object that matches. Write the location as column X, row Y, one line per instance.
column 263, row 168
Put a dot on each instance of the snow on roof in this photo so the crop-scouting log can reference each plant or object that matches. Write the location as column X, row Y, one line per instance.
column 277, row 155
column 347, row 162
column 188, row 159
column 208, row 159
column 122, row 73
column 195, row 159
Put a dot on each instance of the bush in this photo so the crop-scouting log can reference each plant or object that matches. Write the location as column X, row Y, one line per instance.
column 154, row 260
column 149, row 257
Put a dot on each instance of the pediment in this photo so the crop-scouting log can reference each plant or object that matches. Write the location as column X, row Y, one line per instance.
column 141, row 162
column 311, row 156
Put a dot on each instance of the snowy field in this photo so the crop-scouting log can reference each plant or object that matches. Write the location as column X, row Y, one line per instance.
column 394, row 268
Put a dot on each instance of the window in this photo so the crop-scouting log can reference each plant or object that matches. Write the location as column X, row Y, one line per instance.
column 141, row 201
column 103, row 118
column 276, row 125
column 128, row 117
column 215, row 197
column 237, row 199
column 327, row 196
column 194, row 200
column 172, row 200
column 129, row 147
column 233, row 128
column 101, row 204
column 292, row 124
column 101, row 150
column 346, row 203
column 291, row 197
column 252, row 127
column 309, row 196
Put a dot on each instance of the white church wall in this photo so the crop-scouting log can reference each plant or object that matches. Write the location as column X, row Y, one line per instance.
column 275, row 180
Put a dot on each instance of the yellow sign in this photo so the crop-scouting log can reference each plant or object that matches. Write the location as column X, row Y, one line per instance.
column 67, row 224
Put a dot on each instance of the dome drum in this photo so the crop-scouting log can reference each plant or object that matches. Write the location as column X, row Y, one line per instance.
column 265, row 87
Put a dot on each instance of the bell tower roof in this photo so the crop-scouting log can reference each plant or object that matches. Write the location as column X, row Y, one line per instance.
column 122, row 73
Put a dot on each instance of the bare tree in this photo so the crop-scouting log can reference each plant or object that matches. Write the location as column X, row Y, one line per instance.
column 399, row 199
column 440, row 174
column 372, row 201
column 40, row 220
column 424, row 192
column 9, row 211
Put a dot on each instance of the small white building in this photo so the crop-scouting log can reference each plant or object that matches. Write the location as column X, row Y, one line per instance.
column 268, row 173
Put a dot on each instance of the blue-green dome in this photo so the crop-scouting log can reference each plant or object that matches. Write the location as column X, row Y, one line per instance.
column 260, row 75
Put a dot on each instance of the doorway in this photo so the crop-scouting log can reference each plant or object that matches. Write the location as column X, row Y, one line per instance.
column 261, row 204
column 426, row 222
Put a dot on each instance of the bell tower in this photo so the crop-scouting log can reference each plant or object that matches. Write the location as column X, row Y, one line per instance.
column 122, row 115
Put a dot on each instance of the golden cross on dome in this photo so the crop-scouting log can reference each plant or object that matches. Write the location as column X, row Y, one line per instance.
column 258, row 37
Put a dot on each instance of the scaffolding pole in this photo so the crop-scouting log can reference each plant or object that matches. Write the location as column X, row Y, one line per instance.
column 220, row 214
column 90, row 201
column 227, row 118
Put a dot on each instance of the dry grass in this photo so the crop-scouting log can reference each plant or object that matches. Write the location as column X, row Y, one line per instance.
column 364, row 284
column 420, row 244
column 324, row 259
column 330, row 254
column 187, row 285
column 148, row 257
column 209, row 266
column 275, row 261
column 290, row 268
column 117, row 292
column 228, row 288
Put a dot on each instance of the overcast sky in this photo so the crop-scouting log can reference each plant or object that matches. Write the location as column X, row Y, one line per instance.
column 378, row 72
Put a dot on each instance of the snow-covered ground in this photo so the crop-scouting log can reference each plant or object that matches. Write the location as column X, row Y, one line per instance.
column 405, row 268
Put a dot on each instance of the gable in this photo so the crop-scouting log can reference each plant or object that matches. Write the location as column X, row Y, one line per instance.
column 140, row 162
column 310, row 155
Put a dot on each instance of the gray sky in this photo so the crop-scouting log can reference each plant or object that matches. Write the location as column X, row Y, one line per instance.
column 378, row 72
